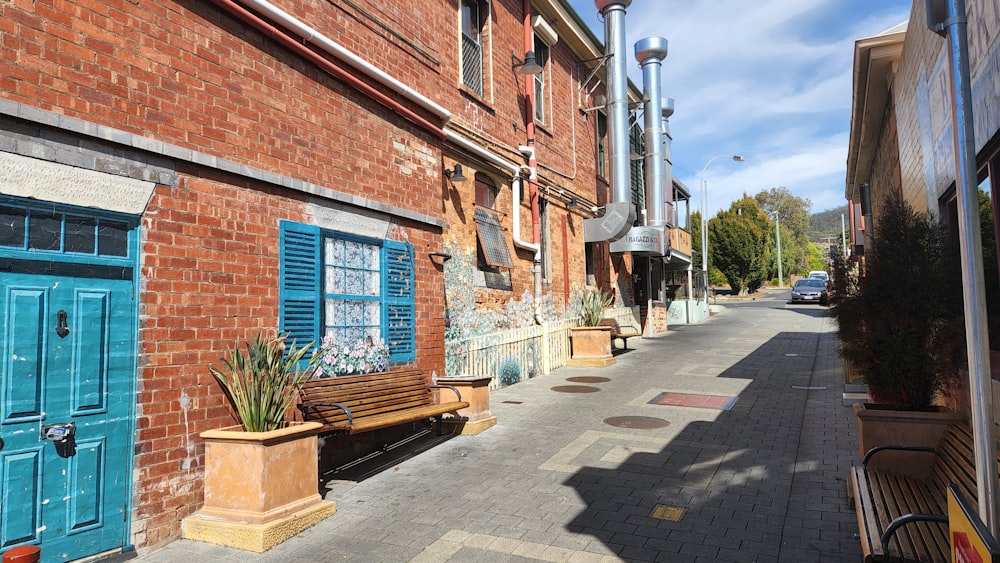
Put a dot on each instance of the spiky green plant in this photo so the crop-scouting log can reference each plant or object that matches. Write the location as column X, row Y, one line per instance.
column 592, row 304
column 261, row 381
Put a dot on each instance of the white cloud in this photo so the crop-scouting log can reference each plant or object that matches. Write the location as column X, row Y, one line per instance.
column 770, row 80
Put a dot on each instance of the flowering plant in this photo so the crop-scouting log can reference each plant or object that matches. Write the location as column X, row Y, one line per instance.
column 363, row 356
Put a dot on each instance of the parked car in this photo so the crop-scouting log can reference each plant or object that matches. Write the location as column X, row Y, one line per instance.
column 810, row 290
column 819, row 274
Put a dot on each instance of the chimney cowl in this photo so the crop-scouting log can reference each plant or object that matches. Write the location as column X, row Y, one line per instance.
column 650, row 47
column 601, row 4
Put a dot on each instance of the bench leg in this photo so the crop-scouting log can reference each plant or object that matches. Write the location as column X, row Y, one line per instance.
column 438, row 423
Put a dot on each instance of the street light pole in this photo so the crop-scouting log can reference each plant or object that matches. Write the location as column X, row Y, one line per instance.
column 777, row 235
column 704, row 217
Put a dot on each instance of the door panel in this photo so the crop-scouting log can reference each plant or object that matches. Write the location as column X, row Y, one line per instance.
column 67, row 360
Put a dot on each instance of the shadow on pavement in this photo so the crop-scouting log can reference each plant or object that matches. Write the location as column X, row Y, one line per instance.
column 738, row 488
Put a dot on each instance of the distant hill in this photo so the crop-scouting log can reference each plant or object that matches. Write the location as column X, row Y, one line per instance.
column 827, row 224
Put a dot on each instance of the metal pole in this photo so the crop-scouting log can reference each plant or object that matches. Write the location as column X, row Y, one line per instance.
column 954, row 28
column 704, row 218
column 704, row 235
column 843, row 236
column 777, row 234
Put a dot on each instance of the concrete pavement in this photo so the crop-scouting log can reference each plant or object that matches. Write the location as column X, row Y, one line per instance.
column 723, row 441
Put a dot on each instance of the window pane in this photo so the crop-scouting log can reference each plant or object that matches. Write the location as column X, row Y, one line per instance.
column 373, row 314
column 112, row 239
column 354, row 282
column 470, row 19
column 334, row 279
column 372, row 283
column 80, row 234
column 334, row 252
column 353, row 334
column 44, row 231
column 355, row 313
column 334, row 312
column 12, row 226
column 353, row 254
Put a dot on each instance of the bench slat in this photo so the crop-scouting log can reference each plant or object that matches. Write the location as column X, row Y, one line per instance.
column 865, row 509
column 881, row 496
column 376, row 400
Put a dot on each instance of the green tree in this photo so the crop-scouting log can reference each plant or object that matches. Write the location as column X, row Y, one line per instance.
column 739, row 245
column 793, row 213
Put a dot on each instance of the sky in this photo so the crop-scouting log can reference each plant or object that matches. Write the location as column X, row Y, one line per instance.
column 770, row 80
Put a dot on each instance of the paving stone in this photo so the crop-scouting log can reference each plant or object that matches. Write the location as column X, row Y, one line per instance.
column 763, row 481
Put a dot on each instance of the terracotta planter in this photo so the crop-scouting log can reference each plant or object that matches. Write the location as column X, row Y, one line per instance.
column 591, row 346
column 476, row 391
column 264, row 483
column 879, row 425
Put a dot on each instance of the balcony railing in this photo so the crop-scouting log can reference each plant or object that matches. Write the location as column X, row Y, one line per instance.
column 680, row 241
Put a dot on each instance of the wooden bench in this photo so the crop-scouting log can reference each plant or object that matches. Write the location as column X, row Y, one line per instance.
column 617, row 332
column 351, row 404
column 905, row 518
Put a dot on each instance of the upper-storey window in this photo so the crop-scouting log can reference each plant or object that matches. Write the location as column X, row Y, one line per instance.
column 602, row 144
column 541, row 92
column 637, row 165
column 473, row 67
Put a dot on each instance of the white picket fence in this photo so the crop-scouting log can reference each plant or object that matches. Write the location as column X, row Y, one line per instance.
column 514, row 355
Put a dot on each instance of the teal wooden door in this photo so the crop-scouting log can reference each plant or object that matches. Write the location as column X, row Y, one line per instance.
column 66, row 397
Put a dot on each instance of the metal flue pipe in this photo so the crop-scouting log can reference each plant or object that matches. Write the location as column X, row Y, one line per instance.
column 667, row 109
column 650, row 53
column 617, row 78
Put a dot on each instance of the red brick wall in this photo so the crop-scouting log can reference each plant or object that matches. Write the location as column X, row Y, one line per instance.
column 210, row 269
column 188, row 74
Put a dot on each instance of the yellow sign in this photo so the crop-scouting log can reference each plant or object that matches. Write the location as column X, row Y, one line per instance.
column 971, row 542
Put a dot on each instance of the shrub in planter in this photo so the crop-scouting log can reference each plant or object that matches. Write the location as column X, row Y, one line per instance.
column 592, row 306
column 262, row 380
column 900, row 320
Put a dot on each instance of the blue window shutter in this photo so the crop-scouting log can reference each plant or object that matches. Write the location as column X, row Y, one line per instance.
column 301, row 287
column 399, row 311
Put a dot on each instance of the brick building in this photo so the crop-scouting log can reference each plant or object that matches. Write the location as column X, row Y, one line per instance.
column 902, row 132
column 178, row 176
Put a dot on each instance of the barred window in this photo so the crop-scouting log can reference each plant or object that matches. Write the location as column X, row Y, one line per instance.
column 542, row 58
column 472, row 45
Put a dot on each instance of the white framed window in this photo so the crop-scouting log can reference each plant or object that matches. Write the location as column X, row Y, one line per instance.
column 473, row 22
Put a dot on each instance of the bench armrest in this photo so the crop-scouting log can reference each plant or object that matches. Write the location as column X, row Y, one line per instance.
column 457, row 393
column 905, row 519
column 350, row 417
column 877, row 449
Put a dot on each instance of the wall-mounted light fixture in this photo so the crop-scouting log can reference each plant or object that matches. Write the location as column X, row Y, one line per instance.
column 455, row 174
column 444, row 256
column 529, row 66
column 866, row 199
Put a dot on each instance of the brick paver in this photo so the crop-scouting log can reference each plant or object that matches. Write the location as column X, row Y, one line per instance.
column 763, row 481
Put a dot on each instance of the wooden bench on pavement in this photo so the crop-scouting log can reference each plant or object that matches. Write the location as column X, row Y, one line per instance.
column 350, row 404
column 905, row 518
column 617, row 332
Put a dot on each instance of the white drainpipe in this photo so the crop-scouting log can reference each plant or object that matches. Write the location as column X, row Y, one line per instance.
column 515, row 183
column 310, row 35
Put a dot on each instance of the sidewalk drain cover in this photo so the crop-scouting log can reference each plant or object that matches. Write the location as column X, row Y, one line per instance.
column 588, row 379
column 512, row 402
column 693, row 400
column 575, row 389
column 638, row 422
column 671, row 513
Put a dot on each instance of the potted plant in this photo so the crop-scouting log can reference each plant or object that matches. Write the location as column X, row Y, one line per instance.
column 900, row 326
column 261, row 476
column 591, row 343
